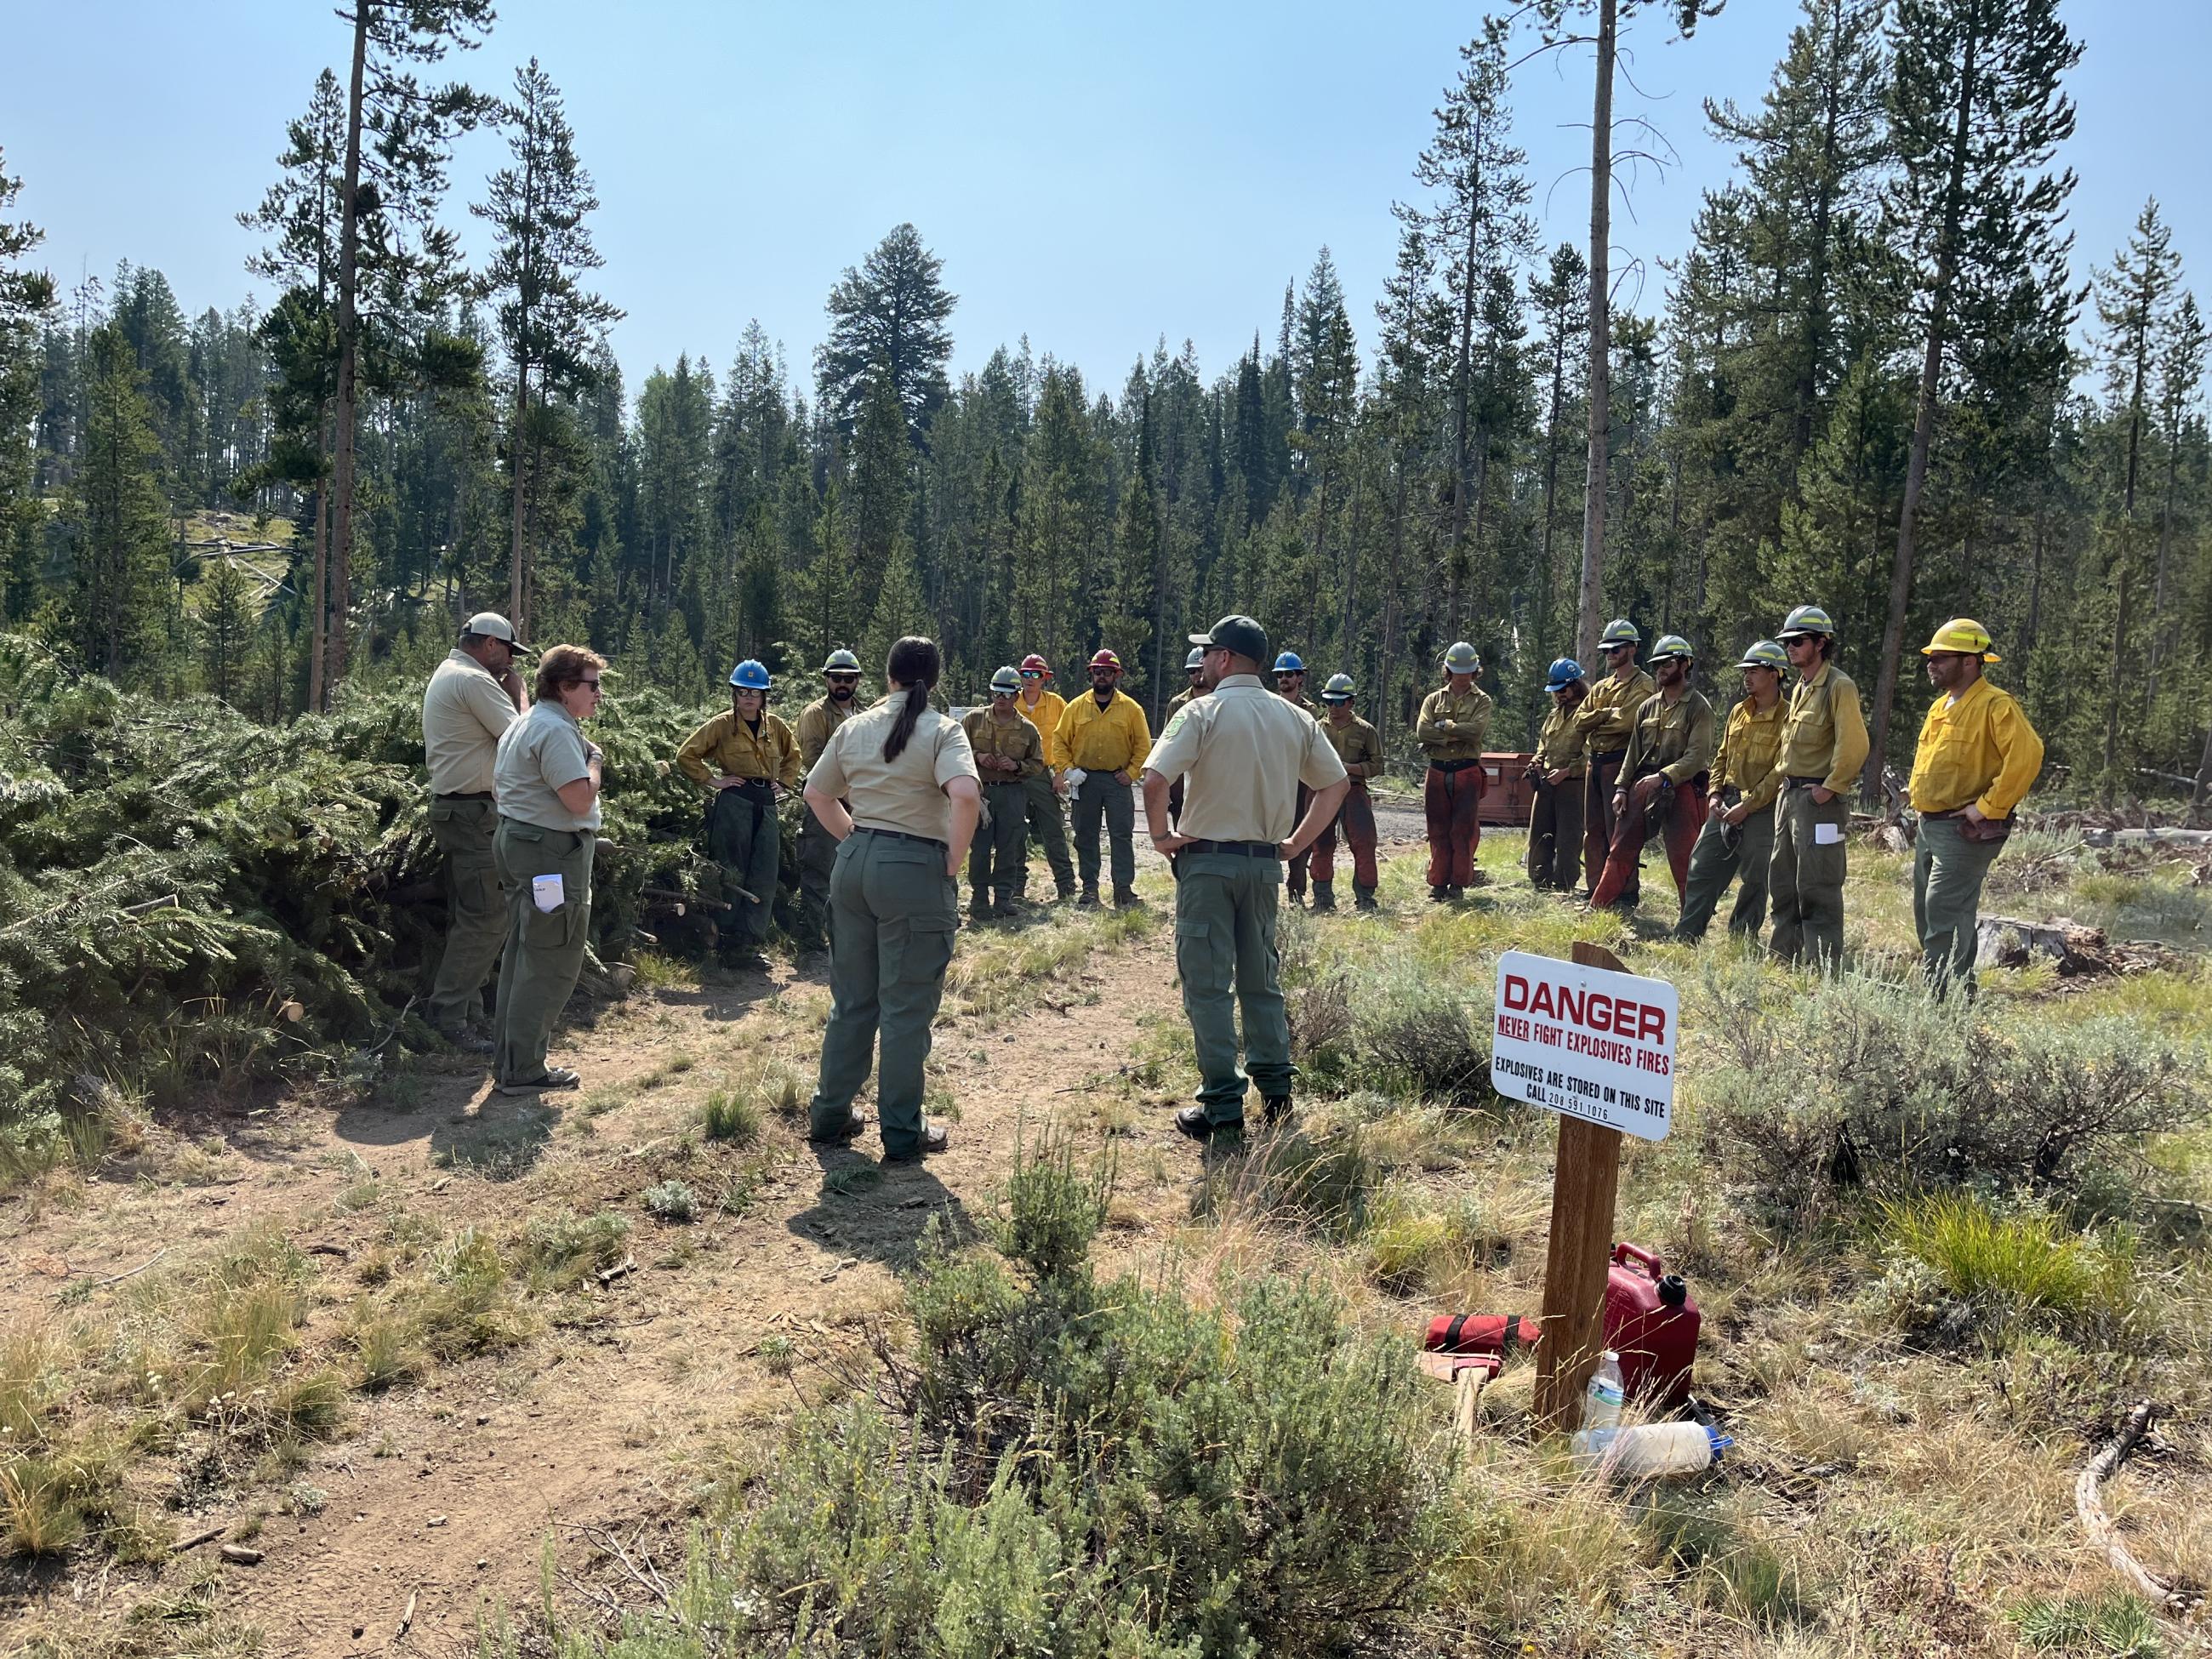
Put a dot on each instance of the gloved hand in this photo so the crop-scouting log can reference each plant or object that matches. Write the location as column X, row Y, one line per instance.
column 1075, row 775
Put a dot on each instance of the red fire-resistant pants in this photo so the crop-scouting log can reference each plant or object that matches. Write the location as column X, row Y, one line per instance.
column 1685, row 816
column 1357, row 824
column 1451, row 801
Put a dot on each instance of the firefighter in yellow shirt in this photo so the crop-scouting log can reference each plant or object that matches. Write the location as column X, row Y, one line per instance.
column 1042, row 707
column 1555, row 782
column 1824, row 744
column 1454, row 718
column 742, row 759
column 1105, row 739
column 817, row 848
column 1606, row 720
column 1978, row 755
column 1009, row 752
column 1738, row 838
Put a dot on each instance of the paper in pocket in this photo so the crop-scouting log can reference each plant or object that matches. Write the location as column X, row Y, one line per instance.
column 546, row 891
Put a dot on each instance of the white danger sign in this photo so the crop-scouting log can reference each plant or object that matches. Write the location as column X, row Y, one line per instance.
column 1586, row 1041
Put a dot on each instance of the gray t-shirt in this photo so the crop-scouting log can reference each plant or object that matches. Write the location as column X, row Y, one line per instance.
column 539, row 753
column 464, row 714
column 906, row 794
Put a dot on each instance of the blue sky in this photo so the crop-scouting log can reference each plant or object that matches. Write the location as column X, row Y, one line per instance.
column 1095, row 176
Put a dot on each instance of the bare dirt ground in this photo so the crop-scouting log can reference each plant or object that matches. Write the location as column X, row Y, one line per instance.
column 599, row 1432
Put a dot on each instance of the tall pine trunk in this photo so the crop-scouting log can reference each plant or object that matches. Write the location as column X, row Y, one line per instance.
column 1923, row 425
column 516, row 613
column 1591, row 595
column 2127, row 561
column 2165, row 554
column 342, row 468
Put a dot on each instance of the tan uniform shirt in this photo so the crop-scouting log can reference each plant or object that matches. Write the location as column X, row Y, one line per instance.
column 816, row 721
column 539, row 755
column 1015, row 740
column 1825, row 735
column 1356, row 743
column 1558, row 743
column 1676, row 737
column 464, row 714
column 906, row 794
column 1241, row 753
column 1181, row 700
column 1749, row 748
column 1468, row 713
column 727, row 745
column 1608, row 715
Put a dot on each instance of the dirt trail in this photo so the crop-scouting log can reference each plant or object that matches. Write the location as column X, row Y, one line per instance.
column 446, row 1492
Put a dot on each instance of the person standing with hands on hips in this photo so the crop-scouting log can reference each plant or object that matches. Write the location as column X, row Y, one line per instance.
column 1009, row 752
column 743, row 759
column 1454, row 720
column 473, row 696
column 1824, row 744
column 1555, row 782
column 547, row 779
column 1042, row 707
column 894, row 898
column 1104, row 736
column 1242, row 753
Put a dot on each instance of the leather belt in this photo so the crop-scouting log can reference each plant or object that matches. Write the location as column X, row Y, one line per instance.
column 1456, row 765
column 465, row 794
column 1250, row 849
column 1806, row 783
column 897, row 835
column 1608, row 754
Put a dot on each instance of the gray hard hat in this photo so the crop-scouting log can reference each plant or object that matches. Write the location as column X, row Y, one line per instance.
column 490, row 625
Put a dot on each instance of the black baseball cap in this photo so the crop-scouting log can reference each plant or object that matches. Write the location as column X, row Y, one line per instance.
column 1239, row 633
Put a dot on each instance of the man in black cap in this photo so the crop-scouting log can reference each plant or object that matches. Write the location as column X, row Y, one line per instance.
column 1242, row 753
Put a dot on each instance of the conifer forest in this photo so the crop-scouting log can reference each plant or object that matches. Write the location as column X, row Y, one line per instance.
column 1883, row 377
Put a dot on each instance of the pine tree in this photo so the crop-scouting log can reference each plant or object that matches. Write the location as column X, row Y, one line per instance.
column 301, row 213
column 1976, row 114
column 891, row 311
column 388, row 231
column 115, row 518
column 1124, row 620
column 1560, row 300
column 2181, row 373
column 226, row 629
column 881, row 495
column 25, row 296
column 549, row 323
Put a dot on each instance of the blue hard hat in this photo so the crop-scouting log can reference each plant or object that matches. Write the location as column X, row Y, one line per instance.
column 750, row 676
column 1290, row 663
column 1564, row 672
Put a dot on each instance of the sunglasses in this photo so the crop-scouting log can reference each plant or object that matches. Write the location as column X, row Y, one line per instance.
column 844, row 679
column 593, row 684
column 1032, row 674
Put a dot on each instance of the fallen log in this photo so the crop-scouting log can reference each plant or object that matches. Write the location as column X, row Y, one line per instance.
column 2089, row 1506
column 2162, row 837
column 2009, row 942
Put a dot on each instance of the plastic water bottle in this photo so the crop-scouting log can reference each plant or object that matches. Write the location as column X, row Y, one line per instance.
column 1601, row 1400
column 1644, row 1451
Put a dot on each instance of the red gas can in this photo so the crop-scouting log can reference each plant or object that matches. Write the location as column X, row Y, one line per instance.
column 1652, row 1324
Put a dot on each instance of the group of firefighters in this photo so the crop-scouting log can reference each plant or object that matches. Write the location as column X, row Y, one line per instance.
column 1232, row 788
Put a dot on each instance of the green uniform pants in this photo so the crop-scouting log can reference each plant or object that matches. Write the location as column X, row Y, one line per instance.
column 475, row 917
column 817, row 856
column 893, row 912
column 544, row 948
column 999, row 859
column 1804, row 877
column 1104, row 795
column 746, row 838
column 1048, row 826
column 1555, row 834
column 1226, row 911
column 1948, row 872
column 1714, row 863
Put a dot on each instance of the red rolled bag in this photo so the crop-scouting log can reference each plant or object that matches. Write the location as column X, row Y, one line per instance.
column 1488, row 1334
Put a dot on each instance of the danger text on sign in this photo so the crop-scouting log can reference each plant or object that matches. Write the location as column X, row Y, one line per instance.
column 1586, row 1041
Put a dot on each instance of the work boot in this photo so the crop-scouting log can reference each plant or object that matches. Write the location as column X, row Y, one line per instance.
column 1193, row 1122
column 1364, row 898
column 935, row 1138
column 1438, row 893
column 469, row 1040
column 1276, row 1110
column 745, row 960
column 1066, row 892
column 1324, row 895
column 1125, row 898
column 556, row 1077
column 838, row 1134
column 1089, row 901
column 979, row 908
column 1011, row 904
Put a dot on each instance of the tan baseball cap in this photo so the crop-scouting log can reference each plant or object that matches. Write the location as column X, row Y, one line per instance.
column 493, row 626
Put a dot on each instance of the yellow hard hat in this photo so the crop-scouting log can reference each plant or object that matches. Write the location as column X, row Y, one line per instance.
column 1962, row 635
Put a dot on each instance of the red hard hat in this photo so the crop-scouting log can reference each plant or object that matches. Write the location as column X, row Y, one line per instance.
column 1035, row 665
column 1107, row 660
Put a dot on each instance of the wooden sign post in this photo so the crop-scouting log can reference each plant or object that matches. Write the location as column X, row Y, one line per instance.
column 1599, row 1050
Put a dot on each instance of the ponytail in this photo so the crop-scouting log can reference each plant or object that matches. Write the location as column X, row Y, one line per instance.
column 914, row 664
